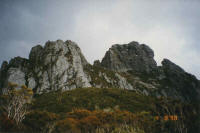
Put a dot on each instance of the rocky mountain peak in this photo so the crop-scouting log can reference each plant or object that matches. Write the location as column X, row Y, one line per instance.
column 57, row 65
column 129, row 57
column 4, row 65
column 167, row 64
column 61, row 65
column 36, row 53
column 18, row 62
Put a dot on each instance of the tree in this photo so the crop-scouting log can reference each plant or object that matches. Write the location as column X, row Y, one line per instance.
column 16, row 102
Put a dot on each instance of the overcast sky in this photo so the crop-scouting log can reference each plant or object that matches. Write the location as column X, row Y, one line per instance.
column 170, row 27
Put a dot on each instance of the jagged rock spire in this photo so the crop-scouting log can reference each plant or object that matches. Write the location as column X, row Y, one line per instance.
column 57, row 65
column 133, row 56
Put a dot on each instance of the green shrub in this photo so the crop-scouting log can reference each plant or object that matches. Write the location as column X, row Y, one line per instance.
column 39, row 121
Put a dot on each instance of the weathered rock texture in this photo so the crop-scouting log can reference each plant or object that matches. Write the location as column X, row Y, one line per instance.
column 61, row 65
column 14, row 72
column 178, row 83
column 132, row 56
column 57, row 65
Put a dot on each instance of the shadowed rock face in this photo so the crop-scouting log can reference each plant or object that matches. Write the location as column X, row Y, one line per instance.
column 179, row 82
column 132, row 56
column 14, row 71
column 61, row 65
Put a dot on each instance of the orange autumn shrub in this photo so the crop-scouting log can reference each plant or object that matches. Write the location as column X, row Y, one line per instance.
column 82, row 120
column 104, row 117
column 123, row 117
column 68, row 125
column 89, row 123
column 79, row 113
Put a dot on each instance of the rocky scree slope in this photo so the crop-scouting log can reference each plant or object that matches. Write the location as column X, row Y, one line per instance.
column 60, row 65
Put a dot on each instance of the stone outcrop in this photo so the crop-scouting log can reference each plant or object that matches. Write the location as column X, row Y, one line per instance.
column 14, row 72
column 129, row 57
column 178, row 83
column 57, row 65
column 61, row 65
column 97, row 63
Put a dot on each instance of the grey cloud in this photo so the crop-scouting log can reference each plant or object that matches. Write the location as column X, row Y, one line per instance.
column 169, row 27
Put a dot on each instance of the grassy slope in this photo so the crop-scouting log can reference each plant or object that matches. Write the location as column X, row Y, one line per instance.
column 56, row 105
column 93, row 98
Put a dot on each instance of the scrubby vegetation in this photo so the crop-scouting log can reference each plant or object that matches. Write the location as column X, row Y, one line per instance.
column 93, row 98
column 93, row 110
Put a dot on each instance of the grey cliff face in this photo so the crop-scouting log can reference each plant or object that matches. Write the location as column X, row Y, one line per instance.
column 59, row 65
column 168, row 65
column 129, row 57
column 14, row 72
column 178, row 83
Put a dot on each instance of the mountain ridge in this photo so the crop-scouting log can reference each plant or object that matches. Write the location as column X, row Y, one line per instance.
column 61, row 65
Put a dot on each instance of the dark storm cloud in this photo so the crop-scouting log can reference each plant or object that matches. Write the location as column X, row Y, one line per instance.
column 169, row 27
